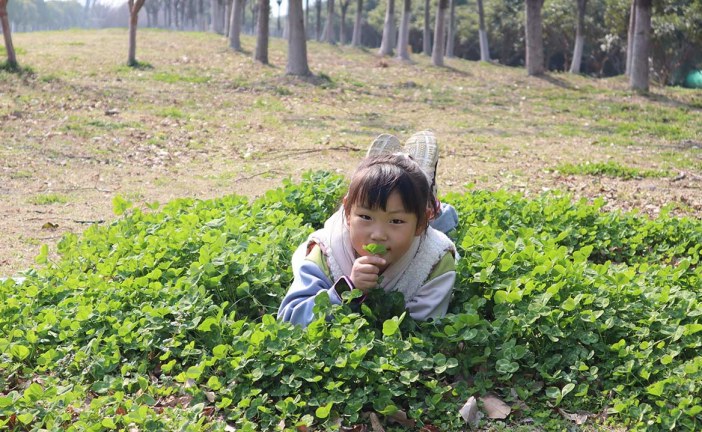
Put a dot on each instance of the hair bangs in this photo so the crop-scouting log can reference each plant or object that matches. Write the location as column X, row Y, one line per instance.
column 378, row 177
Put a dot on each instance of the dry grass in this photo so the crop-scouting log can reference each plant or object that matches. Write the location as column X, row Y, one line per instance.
column 201, row 121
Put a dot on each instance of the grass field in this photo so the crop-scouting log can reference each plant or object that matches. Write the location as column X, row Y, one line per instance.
column 198, row 120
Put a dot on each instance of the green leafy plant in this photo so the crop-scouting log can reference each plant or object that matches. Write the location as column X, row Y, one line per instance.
column 375, row 249
column 163, row 320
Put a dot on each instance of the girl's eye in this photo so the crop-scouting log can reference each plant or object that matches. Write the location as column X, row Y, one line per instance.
column 397, row 221
column 364, row 217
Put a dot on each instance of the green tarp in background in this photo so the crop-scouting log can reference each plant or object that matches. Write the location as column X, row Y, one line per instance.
column 694, row 79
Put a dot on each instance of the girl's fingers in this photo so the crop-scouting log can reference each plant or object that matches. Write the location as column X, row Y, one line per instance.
column 372, row 260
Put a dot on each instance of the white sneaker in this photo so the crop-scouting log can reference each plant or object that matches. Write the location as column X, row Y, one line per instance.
column 424, row 149
column 383, row 145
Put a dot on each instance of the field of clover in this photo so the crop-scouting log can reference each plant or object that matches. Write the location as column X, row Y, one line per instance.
column 164, row 320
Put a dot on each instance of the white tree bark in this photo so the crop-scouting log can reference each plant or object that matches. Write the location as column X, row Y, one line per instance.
column 534, row 38
column 388, row 30
column 235, row 25
column 6, row 31
column 403, row 39
column 639, row 80
column 357, row 25
column 579, row 38
column 426, row 43
column 437, row 55
column 450, row 37
column 297, row 42
column 482, row 34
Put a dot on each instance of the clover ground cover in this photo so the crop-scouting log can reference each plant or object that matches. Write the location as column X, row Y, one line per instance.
column 162, row 320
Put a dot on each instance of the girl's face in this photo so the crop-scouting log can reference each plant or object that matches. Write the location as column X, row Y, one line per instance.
column 394, row 228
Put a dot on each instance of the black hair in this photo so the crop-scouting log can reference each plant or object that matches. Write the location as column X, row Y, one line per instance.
column 377, row 177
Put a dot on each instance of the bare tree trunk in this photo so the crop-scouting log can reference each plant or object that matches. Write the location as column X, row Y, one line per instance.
column 342, row 27
column 630, row 37
column 235, row 25
column 243, row 16
column 201, row 14
column 86, row 9
column 579, row 38
column 329, row 26
column 167, row 13
column 9, row 48
column 307, row 16
column 437, row 55
column 254, row 16
column 403, row 39
column 228, row 12
column 534, row 38
column 134, row 8
column 638, row 80
column 426, row 43
column 484, row 49
column 450, row 38
column 178, row 20
column 356, row 38
column 214, row 9
column 261, row 53
column 297, row 42
column 388, row 30
column 318, row 8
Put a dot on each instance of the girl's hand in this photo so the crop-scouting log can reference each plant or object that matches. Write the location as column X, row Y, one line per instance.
column 365, row 270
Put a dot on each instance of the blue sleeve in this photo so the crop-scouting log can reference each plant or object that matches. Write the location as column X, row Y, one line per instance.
column 446, row 220
column 309, row 280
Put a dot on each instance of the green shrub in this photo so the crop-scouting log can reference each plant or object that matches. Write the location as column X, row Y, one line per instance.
column 162, row 321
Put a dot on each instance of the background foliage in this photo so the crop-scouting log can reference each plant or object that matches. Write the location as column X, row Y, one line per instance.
column 161, row 320
column 676, row 38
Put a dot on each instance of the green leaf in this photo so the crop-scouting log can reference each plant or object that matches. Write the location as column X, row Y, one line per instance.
column 208, row 323
column 323, row 411
column 120, row 205
column 194, row 372
column 500, row 297
column 34, row 392
column 220, row 351
column 5, row 401
column 375, row 249
column 108, row 423
column 553, row 392
column 26, row 418
column 656, row 389
column 19, row 352
column 43, row 256
column 390, row 327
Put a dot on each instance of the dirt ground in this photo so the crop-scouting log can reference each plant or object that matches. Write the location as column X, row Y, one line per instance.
column 81, row 130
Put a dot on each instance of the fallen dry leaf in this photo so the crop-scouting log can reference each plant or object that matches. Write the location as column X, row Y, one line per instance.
column 494, row 407
column 210, row 396
column 375, row 423
column 401, row 417
column 469, row 412
column 577, row 418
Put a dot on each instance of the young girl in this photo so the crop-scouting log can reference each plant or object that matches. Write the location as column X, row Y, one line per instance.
column 389, row 203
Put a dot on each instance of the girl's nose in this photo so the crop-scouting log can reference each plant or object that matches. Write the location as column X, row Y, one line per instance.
column 378, row 235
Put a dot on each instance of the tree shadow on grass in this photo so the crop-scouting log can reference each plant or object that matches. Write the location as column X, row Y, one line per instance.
column 457, row 71
column 695, row 104
column 556, row 81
